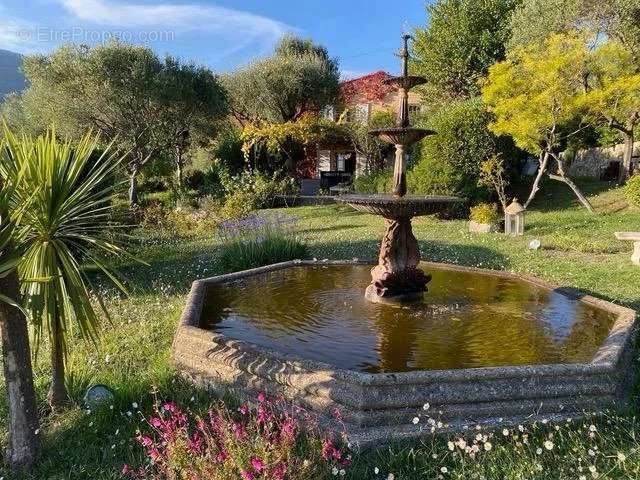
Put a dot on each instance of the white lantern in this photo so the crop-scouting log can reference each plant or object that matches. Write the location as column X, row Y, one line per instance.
column 514, row 219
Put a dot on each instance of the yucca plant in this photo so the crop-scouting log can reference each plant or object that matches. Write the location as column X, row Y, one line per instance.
column 63, row 226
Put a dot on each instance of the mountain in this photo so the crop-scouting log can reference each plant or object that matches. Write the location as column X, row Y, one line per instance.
column 11, row 78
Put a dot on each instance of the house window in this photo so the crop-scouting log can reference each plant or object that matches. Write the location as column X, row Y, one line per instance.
column 414, row 109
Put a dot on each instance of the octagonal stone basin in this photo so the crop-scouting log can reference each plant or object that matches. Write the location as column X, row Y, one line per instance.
column 484, row 347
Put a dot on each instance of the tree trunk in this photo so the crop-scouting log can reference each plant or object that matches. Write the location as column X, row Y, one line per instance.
column 58, row 396
column 133, row 188
column 626, row 167
column 543, row 161
column 24, row 445
column 561, row 177
column 179, row 175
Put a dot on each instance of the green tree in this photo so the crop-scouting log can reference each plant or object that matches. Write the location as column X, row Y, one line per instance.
column 67, row 193
column 614, row 95
column 126, row 93
column 536, row 97
column 24, row 444
column 192, row 101
column 298, row 78
column 113, row 88
column 534, row 20
column 13, row 114
column 461, row 41
column 449, row 162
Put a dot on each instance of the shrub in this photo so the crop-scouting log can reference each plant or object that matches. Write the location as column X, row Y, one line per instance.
column 374, row 182
column 239, row 204
column 485, row 213
column 253, row 191
column 203, row 217
column 632, row 190
column 449, row 162
column 258, row 240
column 272, row 441
column 227, row 150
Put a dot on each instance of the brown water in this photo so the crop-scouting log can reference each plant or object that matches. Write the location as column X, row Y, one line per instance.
column 466, row 320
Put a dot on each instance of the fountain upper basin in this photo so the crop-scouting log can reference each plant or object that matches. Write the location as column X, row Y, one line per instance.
column 401, row 135
column 408, row 206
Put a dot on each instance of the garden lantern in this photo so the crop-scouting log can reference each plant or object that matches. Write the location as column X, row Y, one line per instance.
column 514, row 219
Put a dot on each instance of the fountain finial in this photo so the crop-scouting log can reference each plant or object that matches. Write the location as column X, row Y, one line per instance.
column 404, row 54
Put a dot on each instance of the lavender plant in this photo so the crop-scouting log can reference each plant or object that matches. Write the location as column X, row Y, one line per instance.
column 257, row 240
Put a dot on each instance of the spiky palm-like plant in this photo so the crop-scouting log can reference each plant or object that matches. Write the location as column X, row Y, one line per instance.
column 62, row 228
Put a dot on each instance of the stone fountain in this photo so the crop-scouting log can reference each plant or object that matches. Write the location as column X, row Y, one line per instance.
column 396, row 278
column 489, row 348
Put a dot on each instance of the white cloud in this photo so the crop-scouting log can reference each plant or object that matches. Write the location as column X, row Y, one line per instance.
column 181, row 17
column 350, row 74
column 16, row 34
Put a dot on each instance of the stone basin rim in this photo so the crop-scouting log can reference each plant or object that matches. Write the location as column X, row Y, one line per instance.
column 605, row 360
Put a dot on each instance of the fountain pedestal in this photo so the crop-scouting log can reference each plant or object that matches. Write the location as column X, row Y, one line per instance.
column 397, row 277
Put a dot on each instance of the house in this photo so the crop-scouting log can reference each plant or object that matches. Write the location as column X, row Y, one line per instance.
column 359, row 98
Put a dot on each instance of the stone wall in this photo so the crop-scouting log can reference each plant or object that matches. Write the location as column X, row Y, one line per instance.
column 594, row 162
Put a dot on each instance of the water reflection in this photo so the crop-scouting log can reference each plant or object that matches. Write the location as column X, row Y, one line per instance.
column 467, row 320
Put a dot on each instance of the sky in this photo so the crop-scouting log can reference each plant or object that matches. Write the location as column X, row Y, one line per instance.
column 223, row 34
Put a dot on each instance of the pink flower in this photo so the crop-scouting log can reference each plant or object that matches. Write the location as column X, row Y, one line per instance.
column 155, row 422
column 246, row 475
column 257, row 464
column 289, row 429
column 195, row 442
column 327, row 449
column 261, row 397
column 126, row 470
column 201, row 425
column 279, row 472
column 222, row 456
column 244, row 409
column 145, row 441
column 239, row 431
column 154, row 455
column 263, row 416
column 170, row 407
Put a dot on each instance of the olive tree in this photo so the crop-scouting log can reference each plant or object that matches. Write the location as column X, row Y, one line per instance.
column 126, row 93
column 191, row 102
column 534, row 20
column 298, row 78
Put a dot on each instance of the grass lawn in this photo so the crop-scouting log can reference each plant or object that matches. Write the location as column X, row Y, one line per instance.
column 132, row 356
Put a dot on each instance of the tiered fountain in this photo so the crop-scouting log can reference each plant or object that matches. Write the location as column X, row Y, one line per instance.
column 397, row 277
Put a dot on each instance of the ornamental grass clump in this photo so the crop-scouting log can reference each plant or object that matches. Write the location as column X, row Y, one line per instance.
column 270, row 440
column 258, row 240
